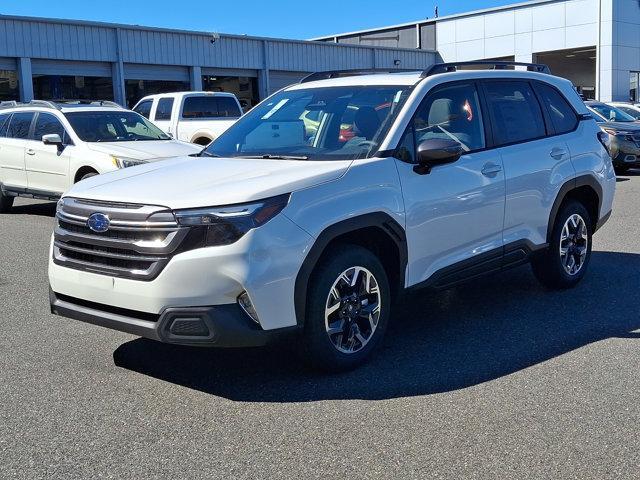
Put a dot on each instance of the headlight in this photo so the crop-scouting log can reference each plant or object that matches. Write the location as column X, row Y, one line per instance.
column 124, row 162
column 226, row 225
column 619, row 133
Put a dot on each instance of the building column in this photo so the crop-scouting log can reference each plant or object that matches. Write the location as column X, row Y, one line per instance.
column 195, row 78
column 117, row 78
column 25, row 79
column 264, row 89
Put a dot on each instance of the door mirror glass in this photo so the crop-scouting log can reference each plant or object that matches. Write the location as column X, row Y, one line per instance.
column 437, row 151
column 52, row 139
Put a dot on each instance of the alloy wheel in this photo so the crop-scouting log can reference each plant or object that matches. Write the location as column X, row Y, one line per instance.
column 352, row 310
column 574, row 243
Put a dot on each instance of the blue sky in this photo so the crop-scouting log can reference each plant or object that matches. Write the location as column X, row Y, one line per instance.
column 273, row 18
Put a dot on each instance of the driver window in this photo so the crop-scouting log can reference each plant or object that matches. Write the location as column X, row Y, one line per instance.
column 451, row 112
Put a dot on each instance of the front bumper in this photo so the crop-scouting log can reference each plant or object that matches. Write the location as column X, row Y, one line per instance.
column 214, row 326
column 626, row 153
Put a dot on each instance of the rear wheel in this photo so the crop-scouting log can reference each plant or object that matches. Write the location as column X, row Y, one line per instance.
column 565, row 262
column 6, row 202
column 347, row 310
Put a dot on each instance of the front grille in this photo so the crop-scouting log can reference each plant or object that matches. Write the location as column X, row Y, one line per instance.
column 140, row 240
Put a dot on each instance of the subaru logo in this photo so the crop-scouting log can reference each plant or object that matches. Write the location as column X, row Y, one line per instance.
column 98, row 222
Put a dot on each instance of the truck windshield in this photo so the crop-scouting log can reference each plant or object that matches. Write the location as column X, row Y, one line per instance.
column 113, row 126
column 328, row 123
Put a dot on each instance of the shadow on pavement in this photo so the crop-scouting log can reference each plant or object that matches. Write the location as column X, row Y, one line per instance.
column 47, row 209
column 436, row 342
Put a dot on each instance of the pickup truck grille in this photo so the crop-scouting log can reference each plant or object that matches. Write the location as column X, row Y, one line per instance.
column 138, row 243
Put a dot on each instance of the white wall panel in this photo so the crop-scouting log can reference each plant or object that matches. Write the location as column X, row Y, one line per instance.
column 470, row 28
column 446, row 32
column 448, row 52
column 523, row 20
column 499, row 24
column 581, row 36
column 499, row 46
column 472, row 50
column 580, row 12
column 550, row 16
column 523, row 42
column 546, row 40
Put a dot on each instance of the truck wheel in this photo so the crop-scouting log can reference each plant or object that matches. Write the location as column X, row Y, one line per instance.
column 6, row 202
column 348, row 308
column 566, row 260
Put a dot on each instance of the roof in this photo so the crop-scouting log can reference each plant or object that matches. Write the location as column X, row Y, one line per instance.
column 412, row 78
column 190, row 93
column 434, row 20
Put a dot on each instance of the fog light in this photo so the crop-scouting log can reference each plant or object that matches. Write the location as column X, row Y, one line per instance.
column 245, row 303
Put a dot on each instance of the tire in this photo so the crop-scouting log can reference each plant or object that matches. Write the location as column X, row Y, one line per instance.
column 87, row 175
column 550, row 267
column 6, row 202
column 329, row 352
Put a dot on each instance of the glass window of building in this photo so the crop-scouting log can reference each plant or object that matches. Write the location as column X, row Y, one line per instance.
column 633, row 87
column 9, row 85
column 67, row 87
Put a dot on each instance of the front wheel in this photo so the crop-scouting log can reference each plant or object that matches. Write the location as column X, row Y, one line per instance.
column 565, row 262
column 348, row 309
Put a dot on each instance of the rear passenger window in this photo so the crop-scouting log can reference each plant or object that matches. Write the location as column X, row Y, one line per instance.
column 163, row 110
column 4, row 124
column 144, row 108
column 47, row 124
column 515, row 112
column 563, row 118
column 20, row 125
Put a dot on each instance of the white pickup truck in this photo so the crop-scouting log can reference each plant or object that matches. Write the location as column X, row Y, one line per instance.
column 196, row 117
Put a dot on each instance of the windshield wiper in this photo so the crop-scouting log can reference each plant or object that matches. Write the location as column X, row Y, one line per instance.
column 276, row 157
column 204, row 153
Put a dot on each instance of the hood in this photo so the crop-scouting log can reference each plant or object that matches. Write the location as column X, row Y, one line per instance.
column 189, row 182
column 146, row 150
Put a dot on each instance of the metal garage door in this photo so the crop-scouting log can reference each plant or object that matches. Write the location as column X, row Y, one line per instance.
column 136, row 71
column 63, row 67
column 279, row 79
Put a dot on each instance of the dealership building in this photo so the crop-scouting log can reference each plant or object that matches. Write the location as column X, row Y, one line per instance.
column 594, row 43
column 54, row 59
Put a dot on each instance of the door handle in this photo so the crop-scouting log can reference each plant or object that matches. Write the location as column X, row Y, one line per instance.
column 491, row 169
column 557, row 153
column 30, row 151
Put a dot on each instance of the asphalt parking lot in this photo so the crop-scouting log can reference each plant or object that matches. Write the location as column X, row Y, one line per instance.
column 499, row 379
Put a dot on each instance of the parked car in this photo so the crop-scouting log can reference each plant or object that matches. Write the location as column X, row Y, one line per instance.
column 624, row 135
column 628, row 108
column 48, row 146
column 278, row 233
column 196, row 117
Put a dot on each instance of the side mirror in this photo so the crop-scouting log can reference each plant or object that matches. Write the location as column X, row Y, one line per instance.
column 52, row 139
column 437, row 151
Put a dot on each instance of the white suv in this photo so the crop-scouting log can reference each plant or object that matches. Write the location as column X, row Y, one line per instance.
column 45, row 147
column 409, row 180
column 196, row 117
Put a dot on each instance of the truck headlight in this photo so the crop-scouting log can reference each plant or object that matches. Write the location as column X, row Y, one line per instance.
column 124, row 162
column 227, row 224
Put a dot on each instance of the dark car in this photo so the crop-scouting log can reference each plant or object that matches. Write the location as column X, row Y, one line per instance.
column 624, row 134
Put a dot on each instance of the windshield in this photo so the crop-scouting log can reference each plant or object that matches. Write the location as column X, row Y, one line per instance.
column 113, row 126
column 317, row 124
column 611, row 114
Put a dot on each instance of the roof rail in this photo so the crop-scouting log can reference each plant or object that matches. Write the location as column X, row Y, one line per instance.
column 8, row 104
column 352, row 73
column 78, row 101
column 494, row 65
column 43, row 103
